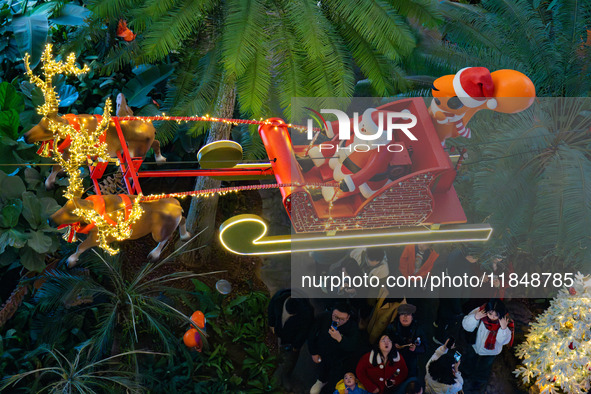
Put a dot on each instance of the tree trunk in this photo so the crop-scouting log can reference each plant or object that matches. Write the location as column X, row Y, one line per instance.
column 202, row 213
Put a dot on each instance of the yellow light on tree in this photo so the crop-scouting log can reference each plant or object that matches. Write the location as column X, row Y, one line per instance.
column 557, row 352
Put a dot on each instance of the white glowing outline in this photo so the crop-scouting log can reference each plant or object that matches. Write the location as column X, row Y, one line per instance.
column 286, row 239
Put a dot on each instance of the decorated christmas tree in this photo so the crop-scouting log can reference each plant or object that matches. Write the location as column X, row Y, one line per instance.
column 557, row 353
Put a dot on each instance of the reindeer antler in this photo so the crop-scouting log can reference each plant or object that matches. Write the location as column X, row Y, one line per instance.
column 84, row 144
column 50, row 68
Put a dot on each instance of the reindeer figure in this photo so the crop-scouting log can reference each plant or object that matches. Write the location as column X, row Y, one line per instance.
column 139, row 135
column 159, row 218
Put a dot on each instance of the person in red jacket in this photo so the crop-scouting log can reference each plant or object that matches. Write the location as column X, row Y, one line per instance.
column 417, row 260
column 383, row 368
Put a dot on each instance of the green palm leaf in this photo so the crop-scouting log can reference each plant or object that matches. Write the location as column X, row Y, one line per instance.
column 373, row 65
column 564, row 204
column 172, row 29
column 425, row 12
column 113, row 9
column 379, row 24
column 289, row 80
column 241, row 34
column 253, row 86
column 310, row 27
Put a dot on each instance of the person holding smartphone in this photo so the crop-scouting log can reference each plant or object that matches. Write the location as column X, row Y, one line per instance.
column 383, row 369
column 494, row 329
column 443, row 370
column 333, row 345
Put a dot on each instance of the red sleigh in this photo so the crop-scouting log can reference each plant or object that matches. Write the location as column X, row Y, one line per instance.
column 421, row 206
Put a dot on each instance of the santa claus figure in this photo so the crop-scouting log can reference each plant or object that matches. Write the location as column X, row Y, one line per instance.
column 456, row 98
column 360, row 166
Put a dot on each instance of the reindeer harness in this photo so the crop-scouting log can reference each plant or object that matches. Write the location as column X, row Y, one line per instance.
column 98, row 206
column 47, row 146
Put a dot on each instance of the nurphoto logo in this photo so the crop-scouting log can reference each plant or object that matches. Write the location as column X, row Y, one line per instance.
column 369, row 127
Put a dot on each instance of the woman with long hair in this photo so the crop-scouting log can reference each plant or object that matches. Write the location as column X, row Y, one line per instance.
column 494, row 329
column 382, row 369
column 443, row 374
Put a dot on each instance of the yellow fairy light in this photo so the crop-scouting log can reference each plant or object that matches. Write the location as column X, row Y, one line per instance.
column 120, row 230
column 84, row 144
column 50, row 68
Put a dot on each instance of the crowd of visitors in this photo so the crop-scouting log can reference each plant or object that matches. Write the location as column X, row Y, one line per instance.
column 378, row 345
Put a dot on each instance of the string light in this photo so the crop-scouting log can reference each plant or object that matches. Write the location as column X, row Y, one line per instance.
column 85, row 143
column 120, row 230
column 557, row 349
column 225, row 190
column 207, row 118
column 50, row 68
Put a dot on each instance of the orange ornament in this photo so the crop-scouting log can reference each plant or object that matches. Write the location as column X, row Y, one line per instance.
column 124, row 32
column 192, row 338
column 199, row 319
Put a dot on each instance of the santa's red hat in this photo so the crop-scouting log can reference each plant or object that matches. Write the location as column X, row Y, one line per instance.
column 474, row 86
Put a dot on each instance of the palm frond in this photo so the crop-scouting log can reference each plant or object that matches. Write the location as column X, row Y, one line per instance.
column 310, row 27
column 424, row 12
column 251, row 143
column 119, row 56
column 192, row 90
column 253, row 86
column 379, row 24
column 373, row 65
column 241, row 33
column 103, row 335
column 470, row 24
column 341, row 64
column 61, row 286
column 154, row 9
column 564, row 203
column 112, row 9
column 289, row 79
column 169, row 31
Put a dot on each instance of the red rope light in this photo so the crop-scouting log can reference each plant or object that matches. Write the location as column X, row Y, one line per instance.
column 212, row 119
column 233, row 189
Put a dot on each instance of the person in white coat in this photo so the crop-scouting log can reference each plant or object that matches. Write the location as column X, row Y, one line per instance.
column 443, row 372
column 494, row 329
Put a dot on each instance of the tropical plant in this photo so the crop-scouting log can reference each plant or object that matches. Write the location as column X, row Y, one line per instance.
column 238, row 360
column 279, row 49
column 25, row 27
column 527, row 173
column 80, row 375
column 126, row 310
column 25, row 234
column 546, row 40
column 529, row 176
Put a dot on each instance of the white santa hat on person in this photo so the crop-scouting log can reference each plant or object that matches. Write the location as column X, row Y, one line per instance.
column 474, row 87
